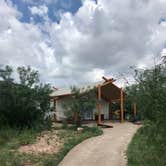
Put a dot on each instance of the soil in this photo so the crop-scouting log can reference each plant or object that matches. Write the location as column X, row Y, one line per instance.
column 47, row 143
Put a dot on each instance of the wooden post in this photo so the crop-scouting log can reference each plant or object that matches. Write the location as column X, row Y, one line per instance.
column 110, row 109
column 75, row 117
column 135, row 108
column 54, row 104
column 54, row 109
column 99, row 104
column 121, row 106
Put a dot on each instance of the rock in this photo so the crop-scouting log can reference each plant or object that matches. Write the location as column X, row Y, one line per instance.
column 80, row 129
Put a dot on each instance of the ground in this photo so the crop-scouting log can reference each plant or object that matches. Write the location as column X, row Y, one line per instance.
column 107, row 149
column 48, row 142
column 29, row 147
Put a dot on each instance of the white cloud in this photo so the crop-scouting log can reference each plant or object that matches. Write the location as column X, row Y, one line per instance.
column 39, row 10
column 100, row 39
column 23, row 43
column 163, row 52
column 94, row 75
column 111, row 36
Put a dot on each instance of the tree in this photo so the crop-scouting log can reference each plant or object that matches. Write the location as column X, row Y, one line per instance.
column 82, row 101
column 150, row 93
column 6, row 73
column 23, row 104
column 28, row 77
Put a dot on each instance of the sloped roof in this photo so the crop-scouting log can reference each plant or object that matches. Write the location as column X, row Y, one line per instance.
column 67, row 91
column 109, row 91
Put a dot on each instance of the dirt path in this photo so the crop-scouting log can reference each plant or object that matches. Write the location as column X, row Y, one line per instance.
column 106, row 150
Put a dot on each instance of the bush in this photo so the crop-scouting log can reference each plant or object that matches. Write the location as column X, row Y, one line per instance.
column 82, row 101
column 64, row 124
column 150, row 94
column 22, row 104
column 148, row 147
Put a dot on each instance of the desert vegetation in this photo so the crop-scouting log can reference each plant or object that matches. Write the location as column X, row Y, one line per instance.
column 82, row 101
column 23, row 103
column 45, row 148
column 27, row 135
column 148, row 147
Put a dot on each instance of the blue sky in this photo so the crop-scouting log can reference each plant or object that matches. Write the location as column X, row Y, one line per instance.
column 78, row 41
column 53, row 8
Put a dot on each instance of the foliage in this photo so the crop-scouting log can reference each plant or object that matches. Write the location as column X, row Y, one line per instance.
column 131, row 91
column 5, row 74
column 150, row 93
column 147, row 148
column 82, row 101
column 64, row 124
column 24, row 104
column 12, row 139
column 28, row 77
column 71, row 139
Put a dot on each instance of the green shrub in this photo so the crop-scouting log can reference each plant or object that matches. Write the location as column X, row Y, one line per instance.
column 150, row 94
column 22, row 104
column 26, row 137
column 147, row 148
column 7, row 158
column 6, row 134
column 13, row 138
column 64, row 124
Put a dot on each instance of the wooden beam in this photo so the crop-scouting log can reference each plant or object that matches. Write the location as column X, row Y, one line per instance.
column 105, row 79
column 121, row 106
column 110, row 81
column 99, row 104
column 118, row 100
column 110, row 108
column 135, row 108
column 75, row 117
column 54, row 104
column 106, row 83
column 54, row 109
column 105, row 126
column 115, row 100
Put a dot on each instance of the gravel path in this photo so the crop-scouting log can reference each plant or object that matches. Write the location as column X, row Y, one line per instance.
column 105, row 150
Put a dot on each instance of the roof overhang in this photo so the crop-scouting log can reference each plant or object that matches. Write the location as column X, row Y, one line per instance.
column 109, row 91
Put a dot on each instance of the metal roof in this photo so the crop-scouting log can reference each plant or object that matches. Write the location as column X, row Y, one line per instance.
column 67, row 91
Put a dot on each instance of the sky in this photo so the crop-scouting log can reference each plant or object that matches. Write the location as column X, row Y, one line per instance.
column 72, row 42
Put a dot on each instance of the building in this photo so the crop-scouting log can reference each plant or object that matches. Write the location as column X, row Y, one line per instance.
column 106, row 93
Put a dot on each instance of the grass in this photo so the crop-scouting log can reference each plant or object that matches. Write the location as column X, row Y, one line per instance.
column 12, row 139
column 147, row 148
column 71, row 138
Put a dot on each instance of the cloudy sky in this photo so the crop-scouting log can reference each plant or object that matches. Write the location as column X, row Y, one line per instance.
column 74, row 41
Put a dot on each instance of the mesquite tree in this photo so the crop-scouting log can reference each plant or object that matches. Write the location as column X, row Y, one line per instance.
column 22, row 104
column 81, row 102
column 150, row 93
